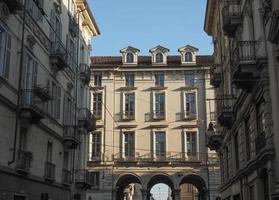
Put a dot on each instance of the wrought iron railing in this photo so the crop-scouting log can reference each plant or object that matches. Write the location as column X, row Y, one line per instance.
column 24, row 159
column 29, row 99
column 59, row 52
column 86, row 117
column 73, row 26
column 49, row 171
column 158, row 114
column 66, row 176
column 84, row 72
column 129, row 114
column 82, row 176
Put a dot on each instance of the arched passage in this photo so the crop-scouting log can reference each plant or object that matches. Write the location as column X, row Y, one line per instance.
column 123, row 182
column 198, row 182
column 159, row 178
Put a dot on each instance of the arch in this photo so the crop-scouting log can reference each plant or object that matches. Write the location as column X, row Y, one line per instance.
column 160, row 178
column 159, row 57
column 188, row 57
column 198, row 182
column 123, row 181
column 129, row 58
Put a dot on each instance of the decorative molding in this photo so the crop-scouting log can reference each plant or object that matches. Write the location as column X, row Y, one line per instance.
column 31, row 41
column 57, row 7
column 4, row 11
column 266, row 10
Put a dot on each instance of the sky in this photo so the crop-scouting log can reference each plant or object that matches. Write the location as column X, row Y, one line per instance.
column 145, row 24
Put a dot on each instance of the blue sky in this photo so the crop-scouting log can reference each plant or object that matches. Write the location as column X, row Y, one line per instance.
column 147, row 23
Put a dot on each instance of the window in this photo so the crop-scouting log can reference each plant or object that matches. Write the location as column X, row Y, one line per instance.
column 49, row 152
column 252, row 192
column 159, row 58
column 31, row 72
column 35, row 9
column 129, row 106
column 191, row 144
column 55, row 104
column 248, row 138
column 66, row 160
column 129, row 144
column 97, row 105
column 160, row 144
column 188, row 57
column 95, row 179
column 71, row 46
column 129, row 80
column 96, row 146
column 159, row 106
column 130, row 58
column 189, row 80
column 5, row 52
column 97, row 80
column 236, row 146
column 55, row 29
column 159, row 80
column 190, row 105
column 68, row 111
column 260, row 119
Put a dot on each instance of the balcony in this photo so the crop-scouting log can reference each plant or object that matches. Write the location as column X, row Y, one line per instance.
column 84, row 73
column 225, row 110
column 70, row 136
column 232, row 16
column 58, row 56
column 23, row 162
column 49, row 171
column 260, row 143
column 158, row 115
column 121, row 158
column 244, row 67
column 32, row 107
column 73, row 26
column 128, row 115
column 82, row 179
column 14, row 5
column 213, row 140
column 215, row 76
column 86, row 119
column 66, row 177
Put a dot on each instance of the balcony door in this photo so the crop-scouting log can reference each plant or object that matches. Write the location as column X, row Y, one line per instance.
column 160, row 144
column 191, row 145
column 129, row 144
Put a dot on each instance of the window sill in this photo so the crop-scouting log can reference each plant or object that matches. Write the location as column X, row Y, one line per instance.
column 189, row 88
column 94, row 87
column 128, row 88
column 158, row 88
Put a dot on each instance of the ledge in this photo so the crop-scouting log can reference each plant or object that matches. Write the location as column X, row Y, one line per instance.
column 128, row 88
column 97, row 87
column 158, row 88
column 126, row 126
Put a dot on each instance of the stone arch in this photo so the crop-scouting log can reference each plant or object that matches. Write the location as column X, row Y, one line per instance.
column 123, row 181
column 198, row 182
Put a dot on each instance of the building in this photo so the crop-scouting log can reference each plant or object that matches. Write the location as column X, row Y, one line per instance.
column 151, row 116
column 245, row 75
column 45, row 116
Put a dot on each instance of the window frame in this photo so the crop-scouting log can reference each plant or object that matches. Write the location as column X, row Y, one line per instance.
column 96, row 145
column 190, row 114
column 98, row 80
column 131, row 112
column 157, row 151
column 189, row 82
column 159, row 58
column 129, row 80
column 188, row 57
column 159, row 80
column 130, row 58
column 129, row 146
column 158, row 112
column 5, row 52
column 97, row 104
column 192, row 143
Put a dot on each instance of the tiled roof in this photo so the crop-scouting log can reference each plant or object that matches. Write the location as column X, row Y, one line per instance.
column 115, row 61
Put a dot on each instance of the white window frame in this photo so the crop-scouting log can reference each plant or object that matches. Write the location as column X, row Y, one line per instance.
column 97, row 80
column 99, row 108
column 131, row 151
column 188, row 155
column 160, row 79
column 128, row 79
column 154, row 111
column 95, row 157
column 124, row 116
column 186, row 115
column 163, row 154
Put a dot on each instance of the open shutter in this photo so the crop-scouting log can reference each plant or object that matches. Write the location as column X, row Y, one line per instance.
column 7, row 55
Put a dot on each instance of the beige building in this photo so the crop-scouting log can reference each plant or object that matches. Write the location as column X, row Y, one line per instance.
column 44, row 85
column 151, row 116
column 245, row 74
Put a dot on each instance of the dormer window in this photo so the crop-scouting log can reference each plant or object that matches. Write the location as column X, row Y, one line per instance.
column 159, row 58
column 188, row 57
column 129, row 58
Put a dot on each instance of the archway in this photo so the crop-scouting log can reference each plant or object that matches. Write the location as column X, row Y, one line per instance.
column 198, row 183
column 126, row 185
column 162, row 179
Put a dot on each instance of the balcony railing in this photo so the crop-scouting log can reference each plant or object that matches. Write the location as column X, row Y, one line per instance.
column 260, row 142
column 58, row 56
column 158, row 114
column 128, row 115
column 70, row 136
column 49, row 171
column 31, row 105
column 85, row 73
column 73, row 26
column 213, row 139
column 86, row 119
column 24, row 159
column 82, row 178
column 225, row 110
column 232, row 16
column 66, row 177
column 14, row 5
column 244, row 68
column 215, row 76
column 168, row 157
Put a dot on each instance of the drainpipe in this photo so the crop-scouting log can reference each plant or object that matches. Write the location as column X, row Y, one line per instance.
column 19, row 84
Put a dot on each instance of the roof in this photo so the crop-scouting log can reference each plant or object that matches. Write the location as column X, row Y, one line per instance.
column 159, row 48
column 191, row 48
column 144, row 61
column 129, row 49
